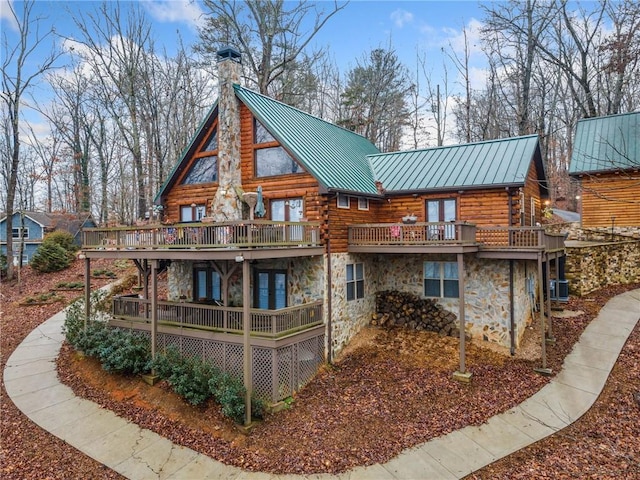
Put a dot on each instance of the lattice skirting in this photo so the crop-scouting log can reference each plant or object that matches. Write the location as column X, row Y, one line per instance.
column 276, row 372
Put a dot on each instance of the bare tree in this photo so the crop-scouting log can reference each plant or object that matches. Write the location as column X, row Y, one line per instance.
column 270, row 35
column 17, row 79
column 461, row 63
column 512, row 32
column 115, row 46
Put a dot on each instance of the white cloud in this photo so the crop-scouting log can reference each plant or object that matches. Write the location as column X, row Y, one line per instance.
column 456, row 37
column 401, row 17
column 6, row 17
column 176, row 11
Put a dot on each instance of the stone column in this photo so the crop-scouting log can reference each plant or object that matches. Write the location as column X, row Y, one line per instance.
column 226, row 205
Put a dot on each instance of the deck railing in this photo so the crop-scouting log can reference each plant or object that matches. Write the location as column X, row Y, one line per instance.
column 454, row 233
column 264, row 323
column 254, row 233
column 519, row 238
column 424, row 233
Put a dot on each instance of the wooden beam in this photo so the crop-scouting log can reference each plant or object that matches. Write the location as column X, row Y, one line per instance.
column 246, row 327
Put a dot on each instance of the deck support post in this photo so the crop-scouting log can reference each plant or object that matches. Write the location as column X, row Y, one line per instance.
column 462, row 375
column 87, row 291
column 154, row 307
column 543, row 370
column 550, row 338
column 246, row 331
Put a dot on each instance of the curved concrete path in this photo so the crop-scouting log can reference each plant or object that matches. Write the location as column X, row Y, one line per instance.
column 31, row 381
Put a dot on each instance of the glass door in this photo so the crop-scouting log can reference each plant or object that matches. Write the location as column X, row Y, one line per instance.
column 270, row 291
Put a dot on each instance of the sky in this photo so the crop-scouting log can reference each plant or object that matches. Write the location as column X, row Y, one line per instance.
column 427, row 25
column 361, row 26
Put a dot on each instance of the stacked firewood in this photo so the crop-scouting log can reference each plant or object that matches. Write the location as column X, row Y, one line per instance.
column 399, row 309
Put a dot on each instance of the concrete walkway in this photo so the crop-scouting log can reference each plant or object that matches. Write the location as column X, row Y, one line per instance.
column 31, row 381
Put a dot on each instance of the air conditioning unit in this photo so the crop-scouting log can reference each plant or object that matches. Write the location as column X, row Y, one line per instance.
column 559, row 290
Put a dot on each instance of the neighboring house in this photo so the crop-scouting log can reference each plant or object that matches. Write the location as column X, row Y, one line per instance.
column 36, row 225
column 606, row 163
column 283, row 225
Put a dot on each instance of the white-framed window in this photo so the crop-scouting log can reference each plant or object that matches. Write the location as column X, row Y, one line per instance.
column 523, row 218
column 363, row 203
column 15, row 232
column 441, row 279
column 355, row 281
column 343, row 201
column 192, row 213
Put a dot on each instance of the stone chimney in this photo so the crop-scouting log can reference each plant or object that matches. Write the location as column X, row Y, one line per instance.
column 227, row 205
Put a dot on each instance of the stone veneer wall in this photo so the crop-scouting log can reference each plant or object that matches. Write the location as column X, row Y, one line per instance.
column 486, row 293
column 306, row 280
column 348, row 317
column 180, row 281
column 593, row 266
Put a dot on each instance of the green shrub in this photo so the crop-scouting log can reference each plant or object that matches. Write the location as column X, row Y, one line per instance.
column 63, row 239
column 229, row 392
column 50, row 257
column 117, row 350
column 74, row 320
column 124, row 352
column 189, row 377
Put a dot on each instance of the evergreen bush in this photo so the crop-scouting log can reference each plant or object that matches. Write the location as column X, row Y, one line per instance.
column 62, row 238
column 50, row 257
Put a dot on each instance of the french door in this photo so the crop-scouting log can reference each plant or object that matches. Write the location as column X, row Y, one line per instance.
column 270, row 289
column 442, row 210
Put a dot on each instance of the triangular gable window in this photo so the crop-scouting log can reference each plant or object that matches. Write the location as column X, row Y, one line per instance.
column 211, row 145
column 261, row 134
column 204, row 168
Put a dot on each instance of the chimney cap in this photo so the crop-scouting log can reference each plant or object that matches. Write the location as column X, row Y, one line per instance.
column 229, row 53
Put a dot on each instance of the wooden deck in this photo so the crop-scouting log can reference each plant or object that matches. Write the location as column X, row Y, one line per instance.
column 213, row 318
column 245, row 234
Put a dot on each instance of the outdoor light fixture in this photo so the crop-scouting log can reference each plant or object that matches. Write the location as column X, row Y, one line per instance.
column 239, row 259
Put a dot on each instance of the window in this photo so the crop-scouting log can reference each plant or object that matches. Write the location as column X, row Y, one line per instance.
column 192, row 213
column 287, row 210
column 344, row 201
column 261, row 134
column 274, row 161
column 441, row 279
column 15, row 232
column 270, row 289
column 355, row 281
column 207, row 286
column 203, row 170
column 211, row 144
column 271, row 159
column 441, row 210
column 363, row 203
column 523, row 218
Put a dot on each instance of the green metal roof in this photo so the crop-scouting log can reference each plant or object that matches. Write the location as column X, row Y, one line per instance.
column 492, row 163
column 606, row 143
column 336, row 157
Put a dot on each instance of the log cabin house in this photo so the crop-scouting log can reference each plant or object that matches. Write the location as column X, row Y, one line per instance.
column 279, row 228
column 606, row 163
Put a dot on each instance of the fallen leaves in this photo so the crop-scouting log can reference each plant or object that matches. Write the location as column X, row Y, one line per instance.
column 389, row 393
